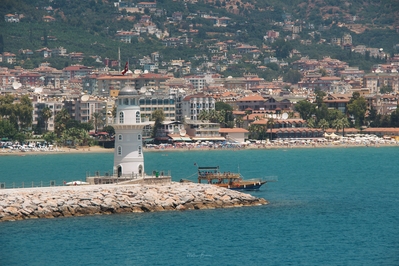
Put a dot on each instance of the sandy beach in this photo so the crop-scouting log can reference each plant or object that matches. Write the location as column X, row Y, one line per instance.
column 83, row 149
column 170, row 148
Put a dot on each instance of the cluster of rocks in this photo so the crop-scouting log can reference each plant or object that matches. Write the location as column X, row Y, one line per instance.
column 51, row 202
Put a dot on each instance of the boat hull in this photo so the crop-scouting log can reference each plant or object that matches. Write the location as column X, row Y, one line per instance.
column 252, row 186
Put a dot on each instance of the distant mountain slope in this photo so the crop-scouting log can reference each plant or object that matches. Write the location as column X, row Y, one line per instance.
column 91, row 26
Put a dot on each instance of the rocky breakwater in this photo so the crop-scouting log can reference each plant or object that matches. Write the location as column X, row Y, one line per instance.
column 51, row 202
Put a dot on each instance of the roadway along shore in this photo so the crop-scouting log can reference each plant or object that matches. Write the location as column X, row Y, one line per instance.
column 52, row 202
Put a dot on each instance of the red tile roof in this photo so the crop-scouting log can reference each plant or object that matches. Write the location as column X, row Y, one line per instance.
column 254, row 97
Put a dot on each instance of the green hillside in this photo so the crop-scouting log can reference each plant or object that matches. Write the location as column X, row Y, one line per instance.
column 90, row 26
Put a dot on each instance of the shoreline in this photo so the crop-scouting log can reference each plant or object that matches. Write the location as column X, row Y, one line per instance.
column 99, row 149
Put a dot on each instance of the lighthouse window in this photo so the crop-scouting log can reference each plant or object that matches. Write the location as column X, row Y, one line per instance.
column 120, row 137
column 139, row 137
column 119, row 150
column 137, row 117
column 126, row 101
column 139, row 150
column 121, row 118
column 132, row 101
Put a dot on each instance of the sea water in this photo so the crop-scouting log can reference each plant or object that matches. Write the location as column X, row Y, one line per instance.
column 332, row 206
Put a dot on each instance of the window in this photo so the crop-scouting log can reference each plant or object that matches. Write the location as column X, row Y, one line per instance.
column 120, row 137
column 139, row 137
column 119, row 151
column 138, row 117
column 139, row 150
column 140, row 169
column 121, row 118
column 126, row 101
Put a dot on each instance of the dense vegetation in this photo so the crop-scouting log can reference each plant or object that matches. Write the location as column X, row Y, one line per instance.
column 90, row 27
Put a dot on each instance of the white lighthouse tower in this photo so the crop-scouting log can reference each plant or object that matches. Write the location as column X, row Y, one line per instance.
column 128, row 157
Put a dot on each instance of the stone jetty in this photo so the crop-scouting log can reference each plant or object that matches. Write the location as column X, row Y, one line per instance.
column 51, row 202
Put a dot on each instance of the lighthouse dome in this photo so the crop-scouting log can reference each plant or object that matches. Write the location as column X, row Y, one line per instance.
column 128, row 90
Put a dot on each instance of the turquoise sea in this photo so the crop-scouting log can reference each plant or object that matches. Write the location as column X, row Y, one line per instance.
column 331, row 206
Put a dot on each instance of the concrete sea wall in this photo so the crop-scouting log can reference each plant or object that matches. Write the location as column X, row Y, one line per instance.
column 51, row 202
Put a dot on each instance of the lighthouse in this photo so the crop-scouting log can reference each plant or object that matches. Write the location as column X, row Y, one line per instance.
column 128, row 155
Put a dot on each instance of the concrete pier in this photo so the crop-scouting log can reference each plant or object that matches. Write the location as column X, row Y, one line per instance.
column 52, row 202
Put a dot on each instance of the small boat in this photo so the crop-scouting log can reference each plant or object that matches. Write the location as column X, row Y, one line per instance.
column 212, row 175
column 76, row 183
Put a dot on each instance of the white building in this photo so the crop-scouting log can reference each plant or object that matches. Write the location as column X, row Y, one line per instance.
column 192, row 105
column 128, row 156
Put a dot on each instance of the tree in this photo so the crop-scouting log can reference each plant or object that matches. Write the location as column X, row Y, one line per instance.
column 358, row 108
column 311, row 123
column 45, row 43
column 239, row 121
column 386, row 89
column 7, row 109
column 395, row 118
column 50, row 137
column 203, row 115
column 24, row 112
column 282, row 48
column 270, row 124
column 97, row 119
column 305, row 109
column 292, row 76
column 334, row 114
column 110, row 130
column 340, row 123
column 158, row 116
column 7, row 129
column 223, row 106
column 319, row 97
column 257, row 131
column 61, row 120
column 1, row 44
column 323, row 124
column 46, row 114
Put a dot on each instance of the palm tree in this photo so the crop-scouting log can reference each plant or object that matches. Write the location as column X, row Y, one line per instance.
column 204, row 115
column 61, row 120
column 97, row 120
column 340, row 123
column 345, row 123
column 323, row 124
column 239, row 121
column 84, row 136
column 222, row 117
column 213, row 116
column 270, row 124
column 311, row 122
column 46, row 115
column 158, row 116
